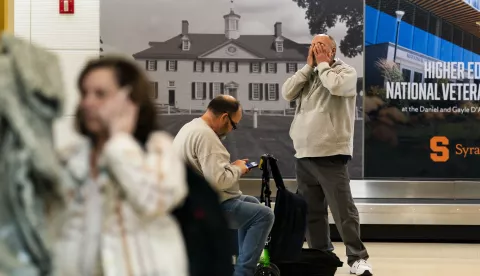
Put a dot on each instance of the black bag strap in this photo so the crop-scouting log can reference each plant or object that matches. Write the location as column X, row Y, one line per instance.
column 265, row 193
column 268, row 164
column 277, row 177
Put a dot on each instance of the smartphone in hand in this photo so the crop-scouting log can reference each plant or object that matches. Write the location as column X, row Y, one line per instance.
column 251, row 165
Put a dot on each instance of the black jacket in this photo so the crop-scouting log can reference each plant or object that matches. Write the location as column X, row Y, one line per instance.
column 205, row 229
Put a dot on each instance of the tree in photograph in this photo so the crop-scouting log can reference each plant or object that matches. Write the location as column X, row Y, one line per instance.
column 324, row 14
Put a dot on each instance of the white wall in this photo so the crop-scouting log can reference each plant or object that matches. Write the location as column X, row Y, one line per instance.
column 75, row 38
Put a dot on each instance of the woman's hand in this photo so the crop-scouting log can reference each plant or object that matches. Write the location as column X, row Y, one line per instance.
column 120, row 114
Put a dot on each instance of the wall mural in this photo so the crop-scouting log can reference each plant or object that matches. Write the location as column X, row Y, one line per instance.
column 194, row 50
column 422, row 81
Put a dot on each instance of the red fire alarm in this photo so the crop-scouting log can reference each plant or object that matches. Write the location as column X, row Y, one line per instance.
column 67, row 6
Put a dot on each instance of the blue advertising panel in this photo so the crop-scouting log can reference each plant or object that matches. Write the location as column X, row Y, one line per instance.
column 422, row 84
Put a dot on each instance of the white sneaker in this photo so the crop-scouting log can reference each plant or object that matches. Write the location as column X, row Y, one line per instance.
column 361, row 267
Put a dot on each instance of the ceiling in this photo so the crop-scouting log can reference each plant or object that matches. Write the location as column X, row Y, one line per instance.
column 455, row 11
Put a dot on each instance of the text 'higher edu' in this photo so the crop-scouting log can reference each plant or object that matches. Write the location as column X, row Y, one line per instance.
column 451, row 70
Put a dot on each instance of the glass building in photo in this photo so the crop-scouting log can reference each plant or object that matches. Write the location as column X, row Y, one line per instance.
column 429, row 30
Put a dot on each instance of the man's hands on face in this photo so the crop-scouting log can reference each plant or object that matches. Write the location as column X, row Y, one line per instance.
column 311, row 59
column 322, row 54
column 242, row 164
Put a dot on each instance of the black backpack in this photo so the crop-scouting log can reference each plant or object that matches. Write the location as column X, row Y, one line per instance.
column 288, row 232
column 205, row 229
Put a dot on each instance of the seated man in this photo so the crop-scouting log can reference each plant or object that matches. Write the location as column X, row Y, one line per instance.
column 199, row 143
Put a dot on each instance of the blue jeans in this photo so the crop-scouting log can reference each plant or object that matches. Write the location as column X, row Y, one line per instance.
column 253, row 222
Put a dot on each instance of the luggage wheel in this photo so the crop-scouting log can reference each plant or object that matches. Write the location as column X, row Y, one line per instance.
column 271, row 270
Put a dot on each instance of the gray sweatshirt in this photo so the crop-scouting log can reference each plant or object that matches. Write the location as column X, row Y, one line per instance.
column 325, row 116
column 201, row 148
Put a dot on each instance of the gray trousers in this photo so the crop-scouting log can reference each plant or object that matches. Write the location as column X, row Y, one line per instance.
column 325, row 182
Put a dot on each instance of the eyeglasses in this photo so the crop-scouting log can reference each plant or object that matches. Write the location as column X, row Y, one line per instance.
column 234, row 125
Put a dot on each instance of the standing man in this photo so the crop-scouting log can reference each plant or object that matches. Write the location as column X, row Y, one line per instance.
column 322, row 134
column 199, row 143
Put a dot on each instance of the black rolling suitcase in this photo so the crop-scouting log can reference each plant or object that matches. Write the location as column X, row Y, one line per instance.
column 312, row 262
column 285, row 247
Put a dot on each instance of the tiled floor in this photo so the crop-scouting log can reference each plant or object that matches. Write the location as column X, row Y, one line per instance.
column 395, row 259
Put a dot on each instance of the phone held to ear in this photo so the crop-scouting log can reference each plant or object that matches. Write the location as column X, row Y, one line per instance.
column 251, row 165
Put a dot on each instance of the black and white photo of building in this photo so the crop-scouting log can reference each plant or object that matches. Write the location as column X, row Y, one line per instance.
column 251, row 68
column 193, row 51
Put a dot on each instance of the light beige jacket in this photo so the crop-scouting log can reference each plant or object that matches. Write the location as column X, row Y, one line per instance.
column 201, row 148
column 137, row 235
column 325, row 116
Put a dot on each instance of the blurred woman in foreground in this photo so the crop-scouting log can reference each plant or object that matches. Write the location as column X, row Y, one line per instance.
column 128, row 179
